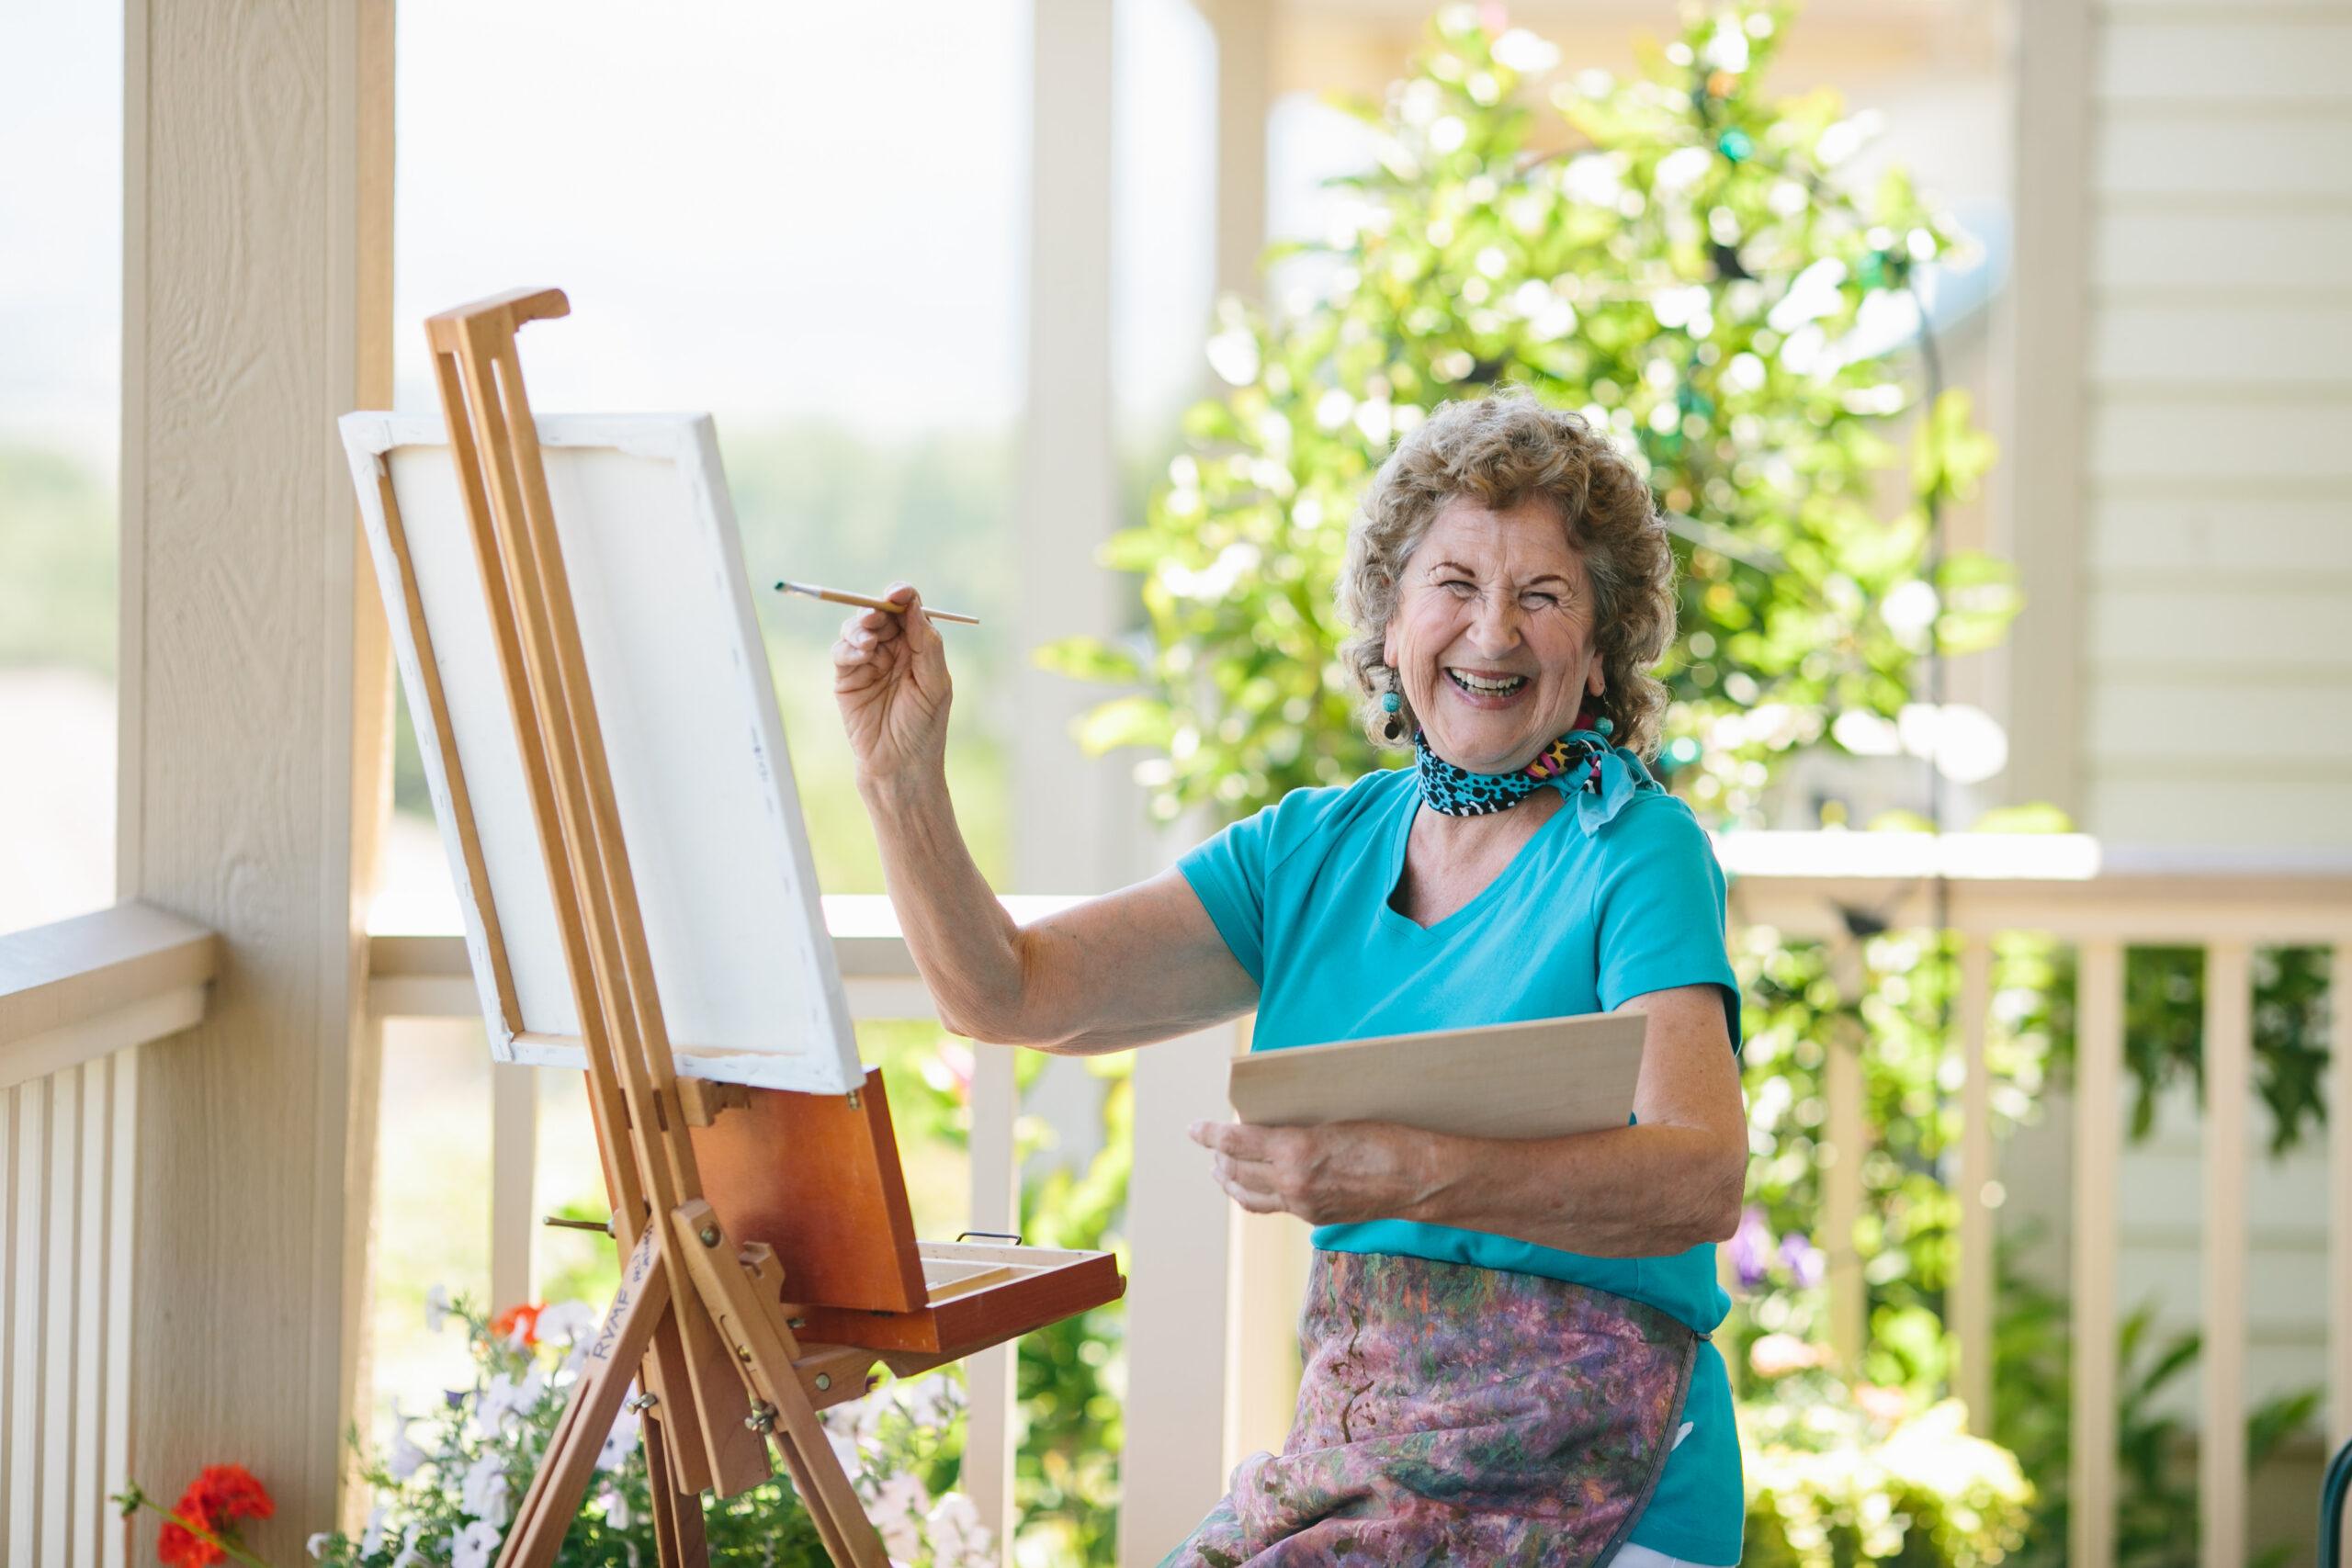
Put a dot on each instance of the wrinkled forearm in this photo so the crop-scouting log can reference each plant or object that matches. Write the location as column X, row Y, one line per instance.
column 964, row 944
column 1639, row 1191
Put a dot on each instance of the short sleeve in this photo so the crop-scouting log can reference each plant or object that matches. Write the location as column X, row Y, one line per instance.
column 1227, row 871
column 1660, row 914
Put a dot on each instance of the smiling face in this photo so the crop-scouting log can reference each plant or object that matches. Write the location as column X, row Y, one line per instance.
column 1492, row 639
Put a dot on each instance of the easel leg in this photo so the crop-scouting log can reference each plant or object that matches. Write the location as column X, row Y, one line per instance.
column 677, row 1516
column 751, row 1316
column 642, row 1301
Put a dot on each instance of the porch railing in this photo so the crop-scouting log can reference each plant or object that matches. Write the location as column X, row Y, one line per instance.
column 77, row 999
column 1213, row 1297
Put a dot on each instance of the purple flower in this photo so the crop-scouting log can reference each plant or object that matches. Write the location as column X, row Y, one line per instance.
column 1751, row 1247
column 1803, row 1259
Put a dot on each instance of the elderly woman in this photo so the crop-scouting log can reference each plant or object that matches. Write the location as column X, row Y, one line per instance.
column 1505, row 1342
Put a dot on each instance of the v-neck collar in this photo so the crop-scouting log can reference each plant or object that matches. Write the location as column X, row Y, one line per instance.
column 1401, row 839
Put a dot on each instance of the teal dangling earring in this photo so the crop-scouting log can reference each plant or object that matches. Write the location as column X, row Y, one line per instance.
column 1392, row 729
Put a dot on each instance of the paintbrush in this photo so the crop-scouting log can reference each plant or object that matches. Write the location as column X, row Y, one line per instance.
column 835, row 597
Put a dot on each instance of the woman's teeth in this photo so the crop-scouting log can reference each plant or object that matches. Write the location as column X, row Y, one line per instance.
column 1486, row 686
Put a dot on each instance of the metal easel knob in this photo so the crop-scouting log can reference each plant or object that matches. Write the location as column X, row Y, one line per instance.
column 639, row 1404
column 762, row 1418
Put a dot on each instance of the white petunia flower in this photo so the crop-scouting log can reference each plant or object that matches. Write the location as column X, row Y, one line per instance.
column 475, row 1546
column 617, row 1510
column 619, row 1442
column 958, row 1539
column 570, row 1321
column 404, row 1458
column 847, row 1451
column 317, row 1546
column 934, row 1401
column 506, row 1398
column 898, row 1513
column 371, row 1540
column 410, row 1556
column 483, row 1493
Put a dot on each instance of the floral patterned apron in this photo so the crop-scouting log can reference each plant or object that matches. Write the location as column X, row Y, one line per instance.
column 1453, row 1413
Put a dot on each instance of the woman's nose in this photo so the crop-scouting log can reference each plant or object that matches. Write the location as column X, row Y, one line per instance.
column 1495, row 629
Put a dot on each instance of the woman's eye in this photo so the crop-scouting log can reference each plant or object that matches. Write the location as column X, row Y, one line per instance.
column 1539, row 601
column 1458, row 585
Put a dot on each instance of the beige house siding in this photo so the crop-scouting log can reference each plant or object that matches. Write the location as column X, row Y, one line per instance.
column 2215, row 542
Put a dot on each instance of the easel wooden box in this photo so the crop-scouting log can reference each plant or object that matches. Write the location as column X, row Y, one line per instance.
column 672, row 875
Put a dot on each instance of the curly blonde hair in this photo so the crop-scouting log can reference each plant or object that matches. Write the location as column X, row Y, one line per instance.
column 1501, row 450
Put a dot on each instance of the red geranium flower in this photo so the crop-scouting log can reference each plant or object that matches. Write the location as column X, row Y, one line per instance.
column 178, row 1549
column 213, row 1502
column 524, row 1317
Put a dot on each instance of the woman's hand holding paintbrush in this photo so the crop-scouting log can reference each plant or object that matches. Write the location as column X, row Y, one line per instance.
column 890, row 682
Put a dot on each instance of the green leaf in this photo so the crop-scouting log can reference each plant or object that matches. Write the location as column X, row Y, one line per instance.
column 1088, row 659
column 1125, row 721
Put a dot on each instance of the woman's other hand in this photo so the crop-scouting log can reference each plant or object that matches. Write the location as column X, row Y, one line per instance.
column 890, row 680
column 1340, row 1174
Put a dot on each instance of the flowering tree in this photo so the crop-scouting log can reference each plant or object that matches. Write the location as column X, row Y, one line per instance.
column 1679, row 256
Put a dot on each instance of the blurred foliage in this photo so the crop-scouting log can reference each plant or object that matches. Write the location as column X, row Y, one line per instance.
column 1835, row 1478
column 2164, row 1022
column 57, row 562
column 1677, row 256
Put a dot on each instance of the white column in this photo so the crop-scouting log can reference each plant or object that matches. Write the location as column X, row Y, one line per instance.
column 257, row 194
column 988, row 1452
column 2041, row 337
column 2099, row 1150
column 1070, row 812
column 2229, row 1084
column 1179, row 1307
column 1244, row 31
column 2339, row 1196
column 1848, row 1128
column 1974, row 1286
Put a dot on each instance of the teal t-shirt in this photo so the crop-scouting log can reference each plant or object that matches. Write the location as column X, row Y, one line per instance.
column 1581, row 920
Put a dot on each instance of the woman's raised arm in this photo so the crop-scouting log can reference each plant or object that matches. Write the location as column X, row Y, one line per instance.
column 1131, row 967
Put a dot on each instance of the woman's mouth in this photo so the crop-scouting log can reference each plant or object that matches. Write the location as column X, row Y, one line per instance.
column 1487, row 688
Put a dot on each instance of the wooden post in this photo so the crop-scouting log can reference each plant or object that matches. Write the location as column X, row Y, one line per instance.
column 2221, row 1444
column 1245, row 47
column 989, row 1455
column 1974, row 1287
column 1847, row 1128
column 1179, row 1306
column 1070, row 811
column 2339, row 1194
column 2098, row 1146
column 255, row 311
column 2041, row 334
column 513, row 1162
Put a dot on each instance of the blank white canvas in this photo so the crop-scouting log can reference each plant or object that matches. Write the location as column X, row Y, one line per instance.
column 749, row 986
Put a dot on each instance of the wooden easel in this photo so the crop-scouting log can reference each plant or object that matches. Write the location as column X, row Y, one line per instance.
column 807, row 1194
